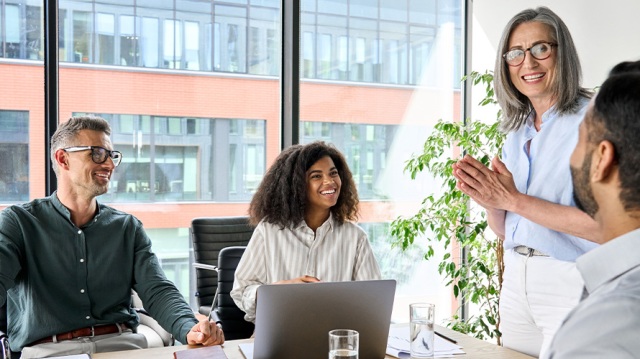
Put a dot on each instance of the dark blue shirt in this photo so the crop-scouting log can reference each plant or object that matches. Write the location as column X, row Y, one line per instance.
column 56, row 277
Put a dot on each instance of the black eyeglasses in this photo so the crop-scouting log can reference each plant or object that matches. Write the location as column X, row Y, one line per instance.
column 99, row 154
column 539, row 51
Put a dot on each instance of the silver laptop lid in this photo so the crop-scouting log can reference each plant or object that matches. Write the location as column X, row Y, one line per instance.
column 293, row 320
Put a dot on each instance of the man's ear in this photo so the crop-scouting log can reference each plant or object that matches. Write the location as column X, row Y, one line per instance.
column 605, row 163
column 62, row 159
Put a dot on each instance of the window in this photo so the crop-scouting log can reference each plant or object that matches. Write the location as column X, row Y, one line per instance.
column 172, row 45
column 11, row 32
column 129, row 47
column 196, row 110
column 378, row 127
column 192, row 45
column 231, row 33
column 160, row 163
column 14, row 156
column 105, row 29
column 366, row 147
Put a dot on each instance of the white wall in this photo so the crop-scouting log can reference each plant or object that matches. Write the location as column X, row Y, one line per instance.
column 606, row 32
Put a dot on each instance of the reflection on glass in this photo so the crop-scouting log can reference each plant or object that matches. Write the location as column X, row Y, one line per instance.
column 168, row 166
column 14, row 156
column 352, row 139
column 201, row 140
column 411, row 59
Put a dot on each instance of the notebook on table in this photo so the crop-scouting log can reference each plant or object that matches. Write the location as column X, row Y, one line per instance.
column 211, row 352
column 294, row 320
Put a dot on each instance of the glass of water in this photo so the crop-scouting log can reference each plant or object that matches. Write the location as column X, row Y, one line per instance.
column 343, row 344
column 422, row 332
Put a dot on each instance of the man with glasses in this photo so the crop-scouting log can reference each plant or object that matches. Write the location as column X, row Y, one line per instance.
column 68, row 263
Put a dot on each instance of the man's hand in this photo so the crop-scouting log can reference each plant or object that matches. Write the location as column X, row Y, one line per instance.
column 303, row 279
column 205, row 333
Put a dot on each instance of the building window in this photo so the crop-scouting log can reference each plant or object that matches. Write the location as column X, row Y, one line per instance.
column 186, row 159
column 129, row 47
column 105, row 30
column 14, row 156
column 365, row 147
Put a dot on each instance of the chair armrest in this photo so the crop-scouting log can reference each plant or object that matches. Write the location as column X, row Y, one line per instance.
column 147, row 320
column 205, row 266
column 4, row 345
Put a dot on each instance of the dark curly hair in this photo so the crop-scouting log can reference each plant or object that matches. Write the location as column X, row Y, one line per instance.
column 282, row 196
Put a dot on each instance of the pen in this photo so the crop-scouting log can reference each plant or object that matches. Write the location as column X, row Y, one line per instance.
column 446, row 338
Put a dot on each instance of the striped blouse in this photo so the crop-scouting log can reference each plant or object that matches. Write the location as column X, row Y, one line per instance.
column 336, row 253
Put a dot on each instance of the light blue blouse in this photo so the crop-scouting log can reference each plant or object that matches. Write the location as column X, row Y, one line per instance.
column 544, row 173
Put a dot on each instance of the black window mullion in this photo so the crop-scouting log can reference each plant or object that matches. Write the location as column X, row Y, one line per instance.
column 290, row 74
column 50, row 87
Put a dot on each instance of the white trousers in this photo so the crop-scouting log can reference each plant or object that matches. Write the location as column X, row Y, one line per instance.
column 101, row 343
column 537, row 294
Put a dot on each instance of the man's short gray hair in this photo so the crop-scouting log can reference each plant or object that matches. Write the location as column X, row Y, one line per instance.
column 67, row 132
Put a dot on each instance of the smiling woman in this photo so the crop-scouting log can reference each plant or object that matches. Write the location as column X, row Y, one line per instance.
column 303, row 212
column 528, row 197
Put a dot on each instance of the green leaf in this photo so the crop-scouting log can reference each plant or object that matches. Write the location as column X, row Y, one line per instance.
column 446, row 218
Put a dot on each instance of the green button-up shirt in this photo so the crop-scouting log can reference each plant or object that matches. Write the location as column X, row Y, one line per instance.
column 56, row 277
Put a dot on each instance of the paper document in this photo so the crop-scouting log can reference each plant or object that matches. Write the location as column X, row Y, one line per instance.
column 399, row 347
column 247, row 350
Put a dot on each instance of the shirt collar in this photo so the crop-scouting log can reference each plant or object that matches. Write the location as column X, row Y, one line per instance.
column 547, row 117
column 610, row 260
column 64, row 211
column 330, row 222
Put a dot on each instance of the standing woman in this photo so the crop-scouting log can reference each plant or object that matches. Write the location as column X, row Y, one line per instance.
column 529, row 197
column 303, row 212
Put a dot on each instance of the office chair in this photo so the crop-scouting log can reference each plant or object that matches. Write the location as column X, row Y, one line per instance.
column 156, row 335
column 209, row 235
column 224, row 309
column 4, row 340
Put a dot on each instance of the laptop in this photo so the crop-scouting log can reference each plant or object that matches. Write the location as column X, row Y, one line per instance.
column 294, row 320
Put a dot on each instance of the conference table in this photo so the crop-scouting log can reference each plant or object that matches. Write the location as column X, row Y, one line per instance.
column 474, row 349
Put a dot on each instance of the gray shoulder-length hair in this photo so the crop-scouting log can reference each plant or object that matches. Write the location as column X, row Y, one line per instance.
column 67, row 131
column 566, row 89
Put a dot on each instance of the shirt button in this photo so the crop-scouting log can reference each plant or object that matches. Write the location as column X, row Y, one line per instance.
column 81, row 290
column 79, row 231
column 87, row 317
column 81, row 260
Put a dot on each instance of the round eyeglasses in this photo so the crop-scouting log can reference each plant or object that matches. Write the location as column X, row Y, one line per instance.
column 99, row 154
column 539, row 51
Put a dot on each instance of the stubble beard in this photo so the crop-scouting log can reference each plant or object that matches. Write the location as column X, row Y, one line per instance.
column 582, row 191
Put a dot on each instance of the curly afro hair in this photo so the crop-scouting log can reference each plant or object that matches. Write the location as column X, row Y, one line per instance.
column 281, row 197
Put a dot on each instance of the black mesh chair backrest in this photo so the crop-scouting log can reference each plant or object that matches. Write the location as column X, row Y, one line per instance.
column 230, row 316
column 209, row 235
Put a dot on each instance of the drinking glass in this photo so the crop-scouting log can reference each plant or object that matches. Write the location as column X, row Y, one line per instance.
column 343, row 344
column 422, row 332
